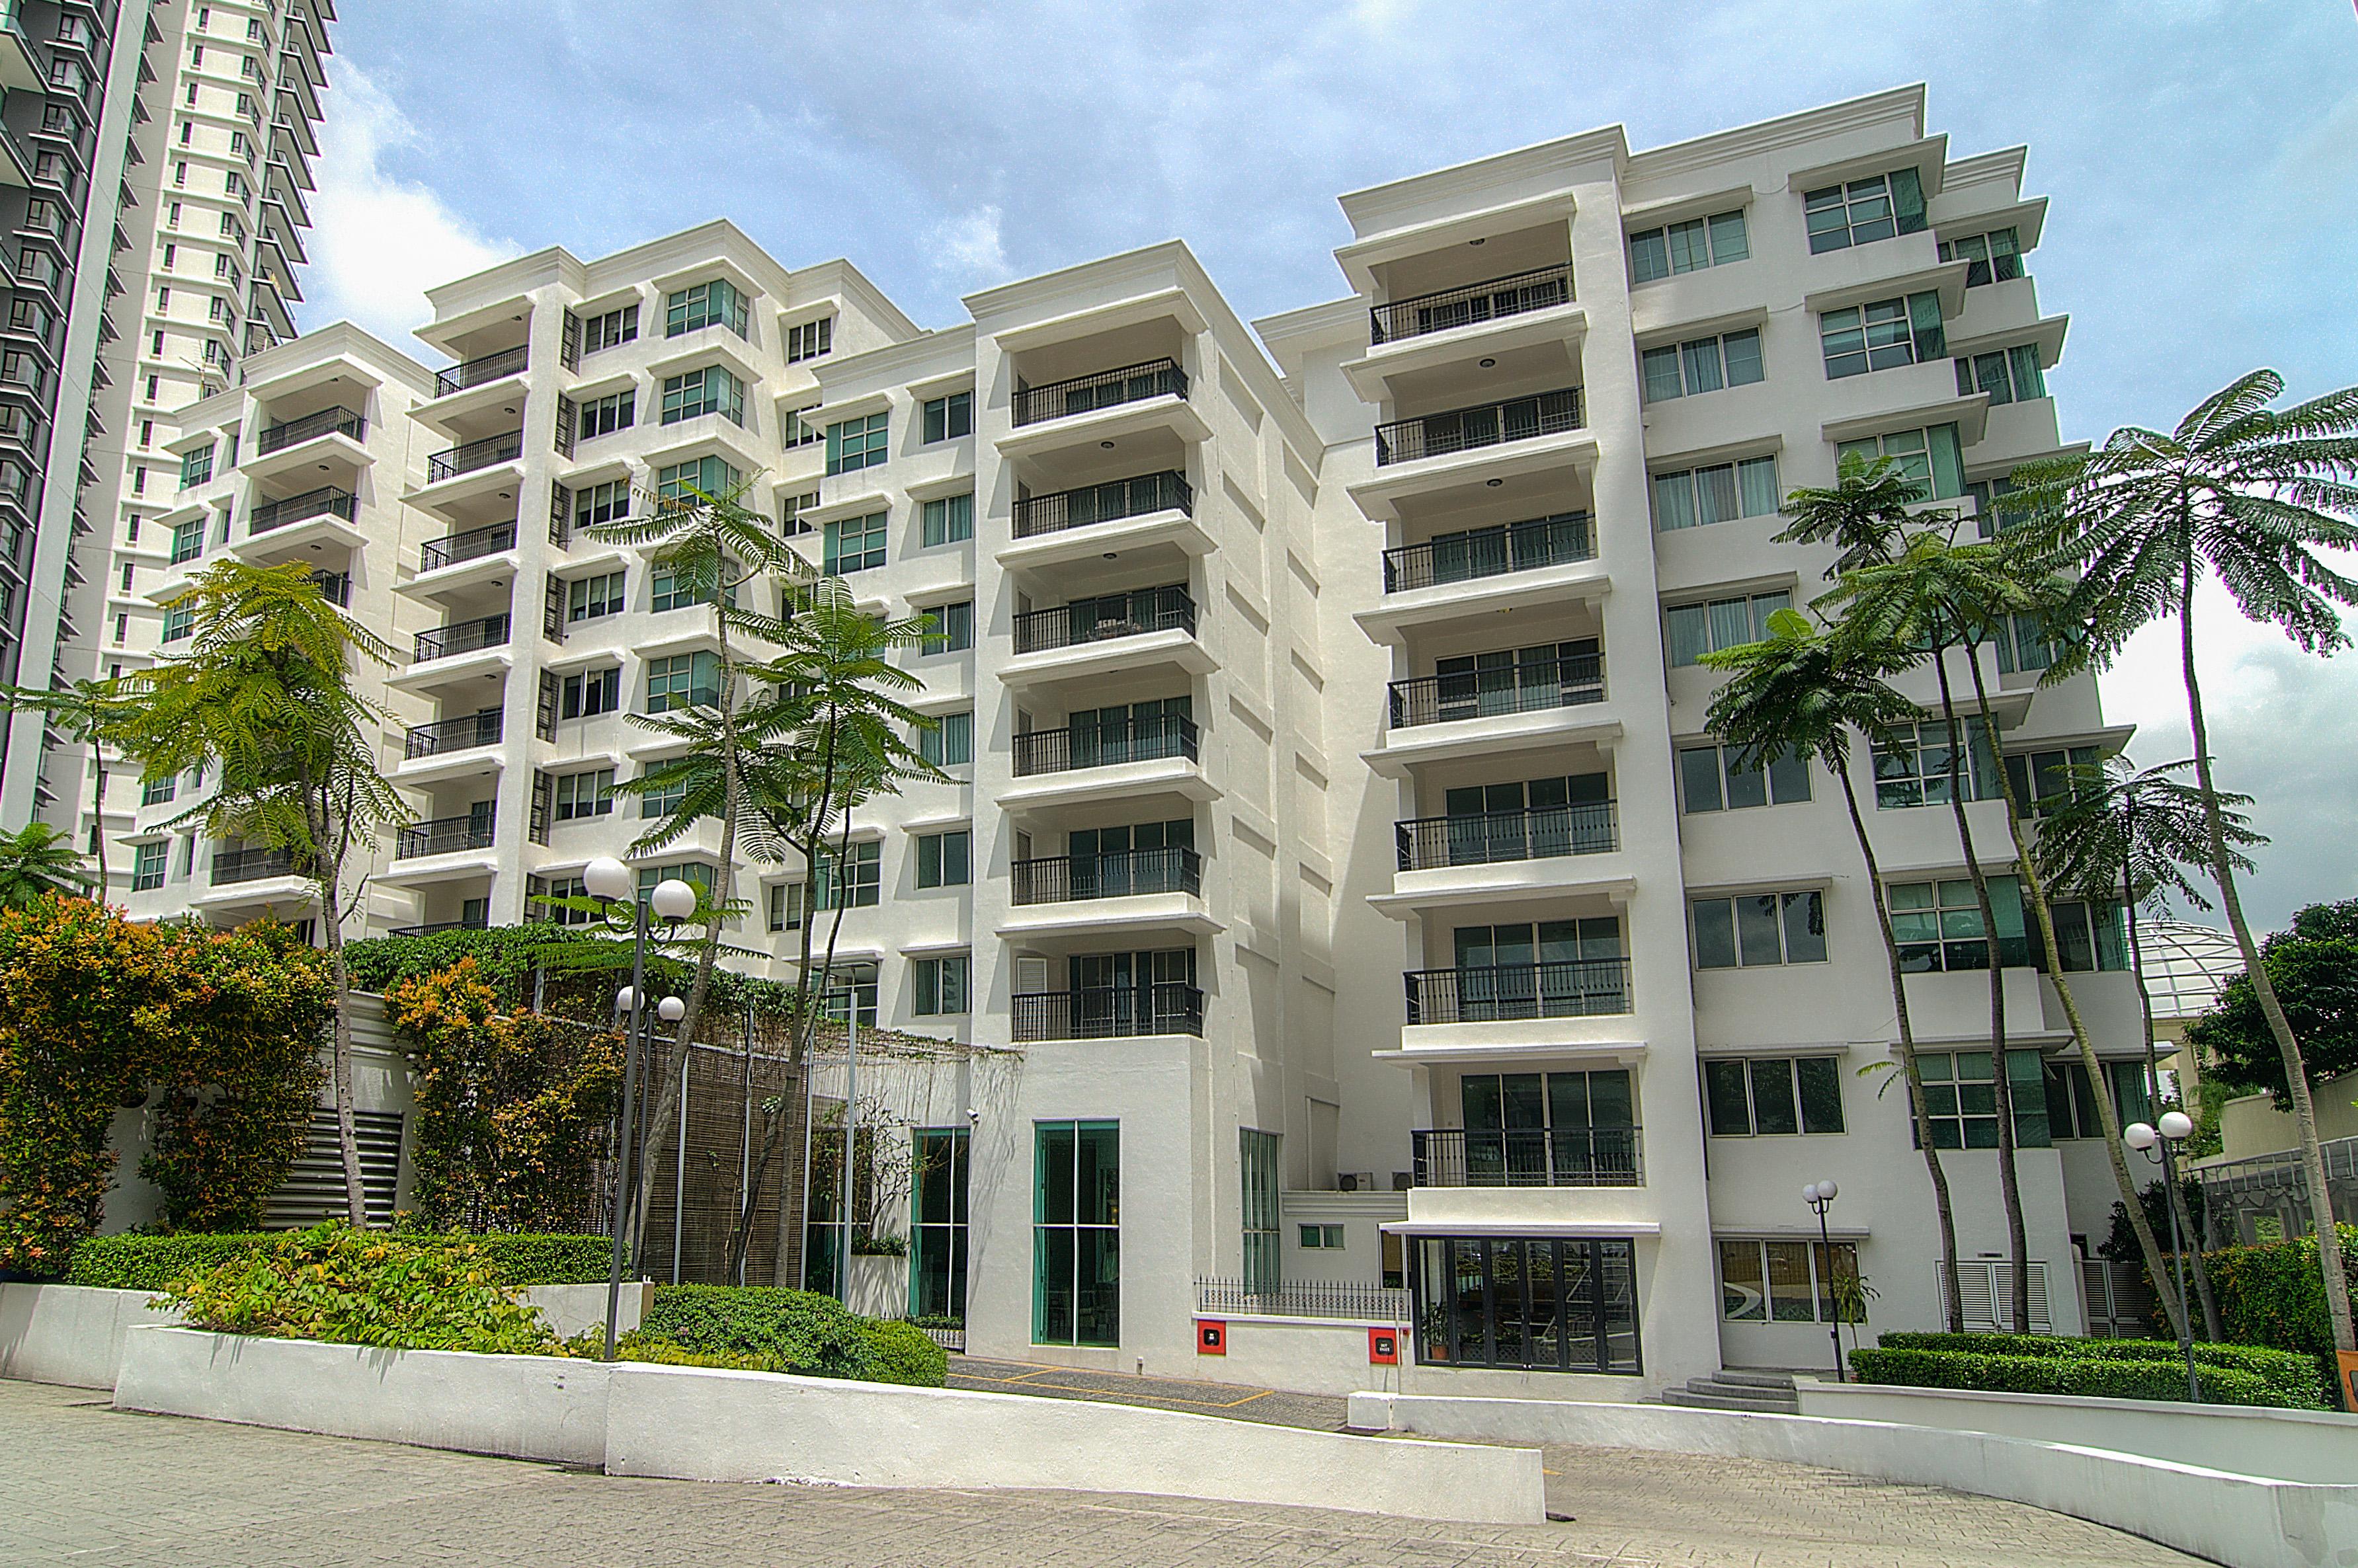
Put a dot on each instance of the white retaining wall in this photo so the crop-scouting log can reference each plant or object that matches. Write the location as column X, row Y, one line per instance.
column 69, row 1334
column 2244, row 1521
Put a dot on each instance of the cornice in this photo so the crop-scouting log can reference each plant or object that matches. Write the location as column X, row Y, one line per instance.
column 1677, row 158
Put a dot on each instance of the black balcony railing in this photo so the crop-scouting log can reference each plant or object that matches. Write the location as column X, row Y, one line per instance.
column 1528, row 1157
column 336, row 588
column 326, row 422
column 1101, row 620
column 1104, row 744
column 1527, row 687
column 443, row 836
column 1052, row 513
column 476, row 371
column 463, row 637
column 1488, row 300
column 1491, row 837
column 434, row 554
column 438, row 926
column 1491, row 552
column 324, row 502
column 1062, row 879
column 1108, row 1013
column 501, row 448
column 1485, row 425
column 251, row 865
column 482, row 728
column 1107, row 388
column 1571, row 988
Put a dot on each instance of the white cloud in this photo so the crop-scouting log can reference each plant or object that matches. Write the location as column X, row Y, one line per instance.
column 378, row 240
column 968, row 252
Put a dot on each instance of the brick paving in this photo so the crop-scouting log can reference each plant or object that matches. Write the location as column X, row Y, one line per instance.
column 88, row 1484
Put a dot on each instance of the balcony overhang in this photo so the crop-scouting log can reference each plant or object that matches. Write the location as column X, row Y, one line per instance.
column 1076, row 787
column 449, row 413
column 1094, row 540
column 1570, row 1230
column 460, row 762
column 1371, row 373
column 2046, row 333
column 261, row 893
column 1391, row 618
column 1361, row 257
column 707, row 346
column 460, row 574
column 437, row 494
column 312, row 376
column 1139, row 913
column 1597, row 723
column 1379, row 495
column 320, row 452
column 1163, row 305
column 453, row 669
column 1168, row 411
column 1946, row 278
column 1969, row 415
column 1171, row 649
column 426, row 871
column 294, row 538
column 1600, row 1039
column 1603, row 875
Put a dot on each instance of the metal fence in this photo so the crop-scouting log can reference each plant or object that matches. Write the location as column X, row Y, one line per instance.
column 1513, row 294
column 1344, row 1300
column 1105, row 389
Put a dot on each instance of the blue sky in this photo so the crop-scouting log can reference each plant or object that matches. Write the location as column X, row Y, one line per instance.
column 2201, row 155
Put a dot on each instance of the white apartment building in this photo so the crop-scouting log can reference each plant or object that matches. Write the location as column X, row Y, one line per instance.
column 1331, row 830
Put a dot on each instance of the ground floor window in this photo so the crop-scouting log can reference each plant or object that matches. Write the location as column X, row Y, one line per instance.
column 1257, row 1157
column 938, row 1222
column 1542, row 1304
column 1076, row 1233
column 1789, row 1281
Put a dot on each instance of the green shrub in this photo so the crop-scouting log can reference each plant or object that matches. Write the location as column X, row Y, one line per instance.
column 798, row 1331
column 359, row 1287
column 152, row 1262
column 2293, row 1375
column 2274, row 1294
column 903, row 1353
column 2085, row 1377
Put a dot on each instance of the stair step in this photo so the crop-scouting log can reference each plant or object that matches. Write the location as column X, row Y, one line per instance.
column 1701, row 1393
column 1756, row 1379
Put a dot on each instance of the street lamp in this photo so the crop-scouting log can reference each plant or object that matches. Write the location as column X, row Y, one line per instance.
column 1819, row 1197
column 2156, row 1143
column 610, row 881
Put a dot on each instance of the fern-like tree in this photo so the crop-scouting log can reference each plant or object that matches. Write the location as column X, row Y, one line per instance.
column 2252, row 496
column 264, row 705
column 89, row 711
column 1800, row 692
column 38, row 862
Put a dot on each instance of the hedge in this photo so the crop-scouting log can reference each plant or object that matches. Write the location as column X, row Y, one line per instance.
column 789, row 1331
column 904, row 1353
column 130, row 1262
column 2276, row 1294
column 2083, row 1377
column 2290, row 1374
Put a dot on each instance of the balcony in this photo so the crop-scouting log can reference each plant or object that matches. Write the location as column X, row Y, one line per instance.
column 1500, row 993
column 1528, row 688
column 476, row 371
column 232, row 866
column 311, row 426
column 443, row 836
column 1098, row 619
column 504, row 448
column 1107, row 1013
column 321, row 503
column 1527, row 1157
column 1527, row 545
column 475, row 542
column 1483, row 424
column 463, row 637
column 483, row 729
column 1060, row 879
column 1106, row 389
column 1138, row 497
column 1495, row 838
column 1104, row 745
column 1513, row 294
column 438, row 927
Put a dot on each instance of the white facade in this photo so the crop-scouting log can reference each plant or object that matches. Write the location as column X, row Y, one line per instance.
column 1279, row 683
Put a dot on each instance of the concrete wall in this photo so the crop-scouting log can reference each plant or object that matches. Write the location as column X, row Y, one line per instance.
column 1310, row 1356
column 69, row 1334
column 2241, row 1520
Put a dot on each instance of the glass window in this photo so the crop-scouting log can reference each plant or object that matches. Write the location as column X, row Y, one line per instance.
column 1882, row 334
column 596, row 503
column 946, row 418
column 953, row 629
column 588, row 598
column 790, row 513
column 856, row 543
column 860, row 885
column 668, row 588
column 1862, row 210
column 786, row 906
column 2008, row 376
column 1713, row 778
column 683, row 680
column 1938, row 925
column 948, row 519
column 1756, row 929
column 2043, row 780
column 714, row 304
column 1913, row 769
column 1702, row 364
column 945, row 859
column 1961, row 1098
column 1689, row 498
column 808, row 340
column 1541, row 1304
column 604, row 415
column 1784, row 1282
column 711, row 390
column 147, row 863
column 196, row 468
column 1683, row 248
column 664, row 799
column 1930, row 456
column 1767, row 1096
column 179, row 622
column 1076, row 1233
column 1257, row 1164
column 610, row 330
column 187, row 541
column 1699, row 629
column 856, row 444
column 801, row 432
column 683, row 486
column 938, row 1222
column 852, row 992
column 950, row 743
column 1994, row 258
column 585, row 794
column 592, row 692
column 1549, row 1129
column 943, row 985
column 1322, row 1238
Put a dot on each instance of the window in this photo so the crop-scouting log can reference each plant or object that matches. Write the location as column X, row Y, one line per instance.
column 1539, row 1304
column 187, row 541
column 1913, row 770
column 179, row 622
column 604, row 503
column 938, row 1222
column 711, row 390
column 2024, row 643
column 683, row 680
column 861, row 884
column 950, row 743
column 1863, row 211
column 683, row 486
column 856, row 444
column 604, row 415
column 1554, row 969
column 808, row 340
column 1768, row 1097
column 2008, row 376
column 2042, row 780
column 155, row 792
column 790, row 513
column 1700, row 629
column 1882, row 334
column 1702, row 364
column 1076, row 1233
column 948, row 519
column 2089, row 936
column 944, row 984
column 1961, row 1098
column 855, row 543
column 1713, row 778
column 695, row 873
column 851, row 993
column 585, row 794
column 1938, row 925
column 196, row 468
column 668, row 589
column 1547, row 1129
column 1931, row 456
column 147, row 862
column 946, row 418
column 1322, row 1238
column 786, row 906
column 714, row 304
column 945, row 859
column 953, row 628
column 663, row 799
column 1784, row 1282
column 1684, row 247
column 1688, row 498
column 799, row 430
column 1258, row 1168
column 1756, row 929
column 1994, row 258
column 2072, row 1110
column 588, row 598
column 610, row 330
column 592, row 692
column 1992, row 516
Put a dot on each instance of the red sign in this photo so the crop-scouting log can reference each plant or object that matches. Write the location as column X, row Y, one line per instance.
column 1383, row 1347
column 1211, row 1337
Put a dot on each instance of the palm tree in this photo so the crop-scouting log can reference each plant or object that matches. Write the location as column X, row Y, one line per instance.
column 38, row 862
column 2115, row 831
column 89, row 711
column 262, row 703
column 1802, row 694
column 2247, row 494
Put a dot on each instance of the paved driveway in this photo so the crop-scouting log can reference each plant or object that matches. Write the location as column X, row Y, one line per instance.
column 83, row 1484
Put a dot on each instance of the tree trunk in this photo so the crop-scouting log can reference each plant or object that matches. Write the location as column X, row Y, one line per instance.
column 347, row 1140
column 98, row 815
column 1919, row 1115
column 2304, row 1108
column 2153, row 1084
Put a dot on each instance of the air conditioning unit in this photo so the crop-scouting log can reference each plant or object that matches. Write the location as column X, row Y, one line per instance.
column 1402, row 1181
column 1354, row 1180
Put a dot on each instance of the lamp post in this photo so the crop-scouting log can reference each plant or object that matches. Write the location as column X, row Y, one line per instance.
column 610, row 881
column 2156, row 1143
column 1819, row 1197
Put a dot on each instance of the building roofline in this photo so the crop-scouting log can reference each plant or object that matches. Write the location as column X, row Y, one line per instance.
column 1783, row 131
